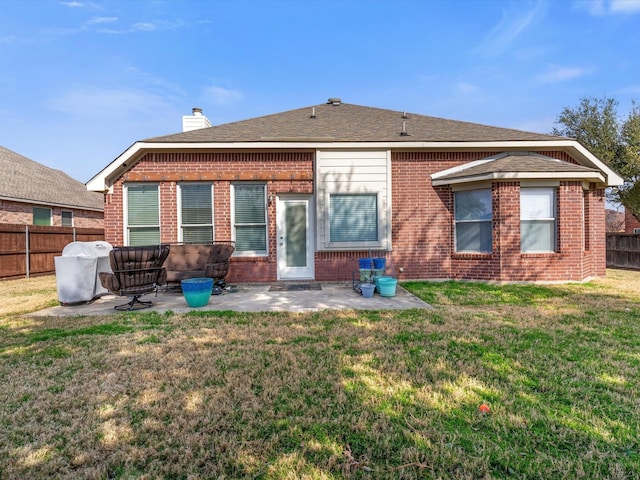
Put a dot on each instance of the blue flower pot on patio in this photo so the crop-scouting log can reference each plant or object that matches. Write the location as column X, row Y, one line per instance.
column 367, row 289
column 387, row 286
column 197, row 291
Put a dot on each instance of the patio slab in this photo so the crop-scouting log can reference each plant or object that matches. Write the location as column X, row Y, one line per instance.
column 253, row 298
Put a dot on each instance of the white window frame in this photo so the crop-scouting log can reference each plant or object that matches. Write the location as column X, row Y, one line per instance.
column 179, row 203
column 457, row 222
column 364, row 244
column 554, row 218
column 125, row 206
column 62, row 218
column 249, row 253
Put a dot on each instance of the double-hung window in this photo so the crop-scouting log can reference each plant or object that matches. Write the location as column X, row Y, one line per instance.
column 353, row 218
column 196, row 212
column 143, row 214
column 66, row 218
column 538, row 220
column 41, row 216
column 473, row 221
column 250, row 218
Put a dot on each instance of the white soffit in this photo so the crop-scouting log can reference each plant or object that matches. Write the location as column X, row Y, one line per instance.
column 103, row 180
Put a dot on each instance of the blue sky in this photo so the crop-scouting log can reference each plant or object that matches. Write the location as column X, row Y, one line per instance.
column 84, row 79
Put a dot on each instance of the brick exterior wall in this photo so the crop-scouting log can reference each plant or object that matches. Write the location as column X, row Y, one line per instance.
column 22, row 214
column 630, row 221
column 422, row 229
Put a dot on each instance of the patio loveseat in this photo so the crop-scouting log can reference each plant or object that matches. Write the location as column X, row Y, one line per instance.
column 198, row 260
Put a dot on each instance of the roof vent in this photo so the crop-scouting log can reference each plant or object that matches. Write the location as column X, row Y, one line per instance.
column 334, row 101
column 404, row 132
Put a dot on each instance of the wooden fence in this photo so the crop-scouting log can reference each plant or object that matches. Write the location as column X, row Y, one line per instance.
column 623, row 250
column 28, row 250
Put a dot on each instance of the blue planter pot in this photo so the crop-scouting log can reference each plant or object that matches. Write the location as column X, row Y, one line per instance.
column 197, row 291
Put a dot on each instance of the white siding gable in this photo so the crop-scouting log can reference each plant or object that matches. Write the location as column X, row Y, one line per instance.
column 353, row 172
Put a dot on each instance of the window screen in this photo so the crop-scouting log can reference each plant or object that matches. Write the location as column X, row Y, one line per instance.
column 143, row 215
column 250, row 223
column 353, row 218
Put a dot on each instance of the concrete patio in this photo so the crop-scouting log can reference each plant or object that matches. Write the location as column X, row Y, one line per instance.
column 254, row 298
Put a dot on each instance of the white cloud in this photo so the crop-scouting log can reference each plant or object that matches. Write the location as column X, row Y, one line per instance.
column 144, row 27
column 557, row 74
column 76, row 4
column 625, row 6
column 222, row 96
column 513, row 23
column 101, row 20
column 609, row 7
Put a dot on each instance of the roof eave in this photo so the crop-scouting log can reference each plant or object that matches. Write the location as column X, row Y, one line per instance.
column 103, row 181
column 50, row 204
column 587, row 176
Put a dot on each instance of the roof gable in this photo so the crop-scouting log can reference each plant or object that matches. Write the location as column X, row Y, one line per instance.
column 337, row 125
column 349, row 123
column 24, row 180
column 513, row 165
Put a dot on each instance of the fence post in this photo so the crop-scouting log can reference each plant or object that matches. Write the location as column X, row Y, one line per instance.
column 74, row 234
column 26, row 238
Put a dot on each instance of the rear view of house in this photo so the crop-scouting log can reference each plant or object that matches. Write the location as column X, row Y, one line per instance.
column 305, row 193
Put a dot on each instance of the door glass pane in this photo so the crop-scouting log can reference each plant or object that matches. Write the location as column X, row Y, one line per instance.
column 296, row 234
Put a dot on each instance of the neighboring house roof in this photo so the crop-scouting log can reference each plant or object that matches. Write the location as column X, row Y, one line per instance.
column 335, row 125
column 516, row 165
column 24, row 180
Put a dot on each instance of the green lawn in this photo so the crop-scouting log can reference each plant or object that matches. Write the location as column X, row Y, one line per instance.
column 377, row 394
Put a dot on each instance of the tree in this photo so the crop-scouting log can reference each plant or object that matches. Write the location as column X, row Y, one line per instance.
column 596, row 125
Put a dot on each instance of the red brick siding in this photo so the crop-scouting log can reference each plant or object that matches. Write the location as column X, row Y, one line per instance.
column 422, row 229
column 263, row 165
column 22, row 213
column 630, row 221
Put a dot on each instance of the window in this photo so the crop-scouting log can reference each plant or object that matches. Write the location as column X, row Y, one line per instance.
column 143, row 214
column 67, row 218
column 41, row 216
column 537, row 219
column 353, row 218
column 473, row 221
column 196, row 212
column 250, row 219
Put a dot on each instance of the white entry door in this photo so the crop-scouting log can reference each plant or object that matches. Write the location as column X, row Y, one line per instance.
column 295, row 238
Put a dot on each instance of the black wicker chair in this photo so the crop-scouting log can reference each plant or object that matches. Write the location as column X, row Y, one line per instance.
column 136, row 271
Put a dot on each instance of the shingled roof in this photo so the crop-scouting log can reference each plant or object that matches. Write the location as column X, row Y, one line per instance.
column 341, row 122
column 513, row 165
column 24, row 180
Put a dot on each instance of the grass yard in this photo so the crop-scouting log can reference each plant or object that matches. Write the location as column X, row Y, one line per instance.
column 329, row 395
